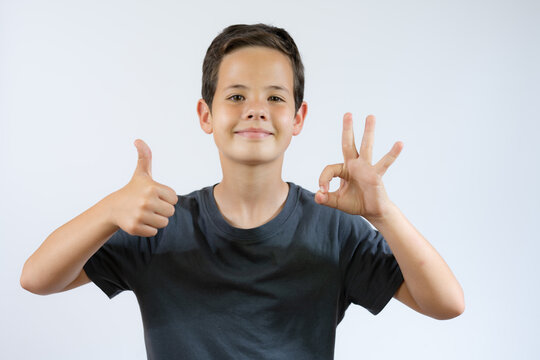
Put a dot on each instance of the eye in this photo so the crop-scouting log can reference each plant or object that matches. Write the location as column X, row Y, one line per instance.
column 275, row 98
column 236, row 97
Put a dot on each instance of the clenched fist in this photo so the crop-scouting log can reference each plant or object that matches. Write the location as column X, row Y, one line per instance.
column 143, row 206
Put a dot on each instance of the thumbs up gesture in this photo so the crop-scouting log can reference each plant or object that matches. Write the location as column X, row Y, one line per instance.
column 361, row 190
column 143, row 205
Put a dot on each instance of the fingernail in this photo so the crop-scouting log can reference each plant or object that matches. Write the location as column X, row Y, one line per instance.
column 321, row 188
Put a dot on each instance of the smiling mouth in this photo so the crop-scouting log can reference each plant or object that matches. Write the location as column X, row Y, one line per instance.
column 253, row 134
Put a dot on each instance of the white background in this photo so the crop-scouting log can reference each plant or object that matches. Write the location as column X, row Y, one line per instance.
column 456, row 81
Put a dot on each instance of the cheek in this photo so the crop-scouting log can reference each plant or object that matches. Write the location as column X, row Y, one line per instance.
column 231, row 114
column 284, row 112
column 286, row 127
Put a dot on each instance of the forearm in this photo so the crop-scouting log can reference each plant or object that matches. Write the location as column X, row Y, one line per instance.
column 429, row 279
column 60, row 258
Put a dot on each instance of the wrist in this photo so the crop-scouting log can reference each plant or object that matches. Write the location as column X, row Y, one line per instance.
column 389, row 211
column 107, row 210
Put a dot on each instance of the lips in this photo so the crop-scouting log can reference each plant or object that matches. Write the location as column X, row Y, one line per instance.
column 254, row 130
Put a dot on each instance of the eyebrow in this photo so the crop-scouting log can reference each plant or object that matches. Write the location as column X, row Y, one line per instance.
column 273, row 87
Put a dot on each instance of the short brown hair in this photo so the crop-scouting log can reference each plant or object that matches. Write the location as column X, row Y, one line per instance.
column 241, row 35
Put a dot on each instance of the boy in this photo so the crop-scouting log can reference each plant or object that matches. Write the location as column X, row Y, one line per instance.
column 252, row 267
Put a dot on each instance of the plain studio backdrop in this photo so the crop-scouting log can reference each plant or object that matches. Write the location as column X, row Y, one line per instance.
column 456, row 81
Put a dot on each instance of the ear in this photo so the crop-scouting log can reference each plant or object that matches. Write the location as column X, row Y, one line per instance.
column 205, row 117
column 299, row 118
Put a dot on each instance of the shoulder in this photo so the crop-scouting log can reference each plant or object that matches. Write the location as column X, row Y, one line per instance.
column 307, row 199
column 349, row 229
column 323, row 216
column 193, row 200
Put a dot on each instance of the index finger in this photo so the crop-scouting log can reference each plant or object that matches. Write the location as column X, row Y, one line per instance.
column 347, row 138
column 168, row 194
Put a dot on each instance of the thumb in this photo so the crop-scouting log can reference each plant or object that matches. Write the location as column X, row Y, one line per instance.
column 326, row 198
column 144, row 163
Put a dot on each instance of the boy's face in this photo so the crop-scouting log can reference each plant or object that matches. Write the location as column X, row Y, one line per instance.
column 254, row 90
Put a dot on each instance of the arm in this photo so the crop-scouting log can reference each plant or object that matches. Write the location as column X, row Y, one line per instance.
column 139, row 208
column 430, row 286
column 59, row 261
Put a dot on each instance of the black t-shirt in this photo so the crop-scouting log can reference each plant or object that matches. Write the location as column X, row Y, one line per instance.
column 208, row 290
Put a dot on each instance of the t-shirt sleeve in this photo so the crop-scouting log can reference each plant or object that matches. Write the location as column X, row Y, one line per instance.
column 371, row 273
column 119, row 263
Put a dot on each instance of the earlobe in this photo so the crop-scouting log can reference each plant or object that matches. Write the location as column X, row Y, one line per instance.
column 205, row 117
column 299, row 118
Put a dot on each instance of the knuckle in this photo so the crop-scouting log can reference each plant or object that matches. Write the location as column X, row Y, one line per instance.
column 149, row 191
column 154, row 189
column 131, row 229
column 145, row 204
column 137, row 219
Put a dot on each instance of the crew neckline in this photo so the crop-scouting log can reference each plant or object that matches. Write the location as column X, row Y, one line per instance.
column 252, row 235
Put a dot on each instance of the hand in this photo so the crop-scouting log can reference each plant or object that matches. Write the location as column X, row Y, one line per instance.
column 143, row 205
column 361, row 190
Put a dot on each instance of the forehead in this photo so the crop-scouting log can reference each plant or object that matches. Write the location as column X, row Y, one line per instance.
column 255, row 66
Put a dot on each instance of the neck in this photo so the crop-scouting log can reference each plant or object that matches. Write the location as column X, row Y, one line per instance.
column 251, row 195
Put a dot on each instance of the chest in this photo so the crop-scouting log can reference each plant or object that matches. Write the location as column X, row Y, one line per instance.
column 264, row 282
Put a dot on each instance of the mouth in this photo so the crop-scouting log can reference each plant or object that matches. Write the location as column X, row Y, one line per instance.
column 253, row 134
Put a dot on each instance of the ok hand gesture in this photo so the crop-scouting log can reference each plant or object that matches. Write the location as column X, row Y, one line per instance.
column 361, row 190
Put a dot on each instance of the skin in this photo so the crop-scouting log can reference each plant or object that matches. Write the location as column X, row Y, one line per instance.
column 252, row 191
column 430, row 287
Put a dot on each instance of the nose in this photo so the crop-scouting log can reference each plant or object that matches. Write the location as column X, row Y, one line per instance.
column 256, row 111
column 256, row 115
